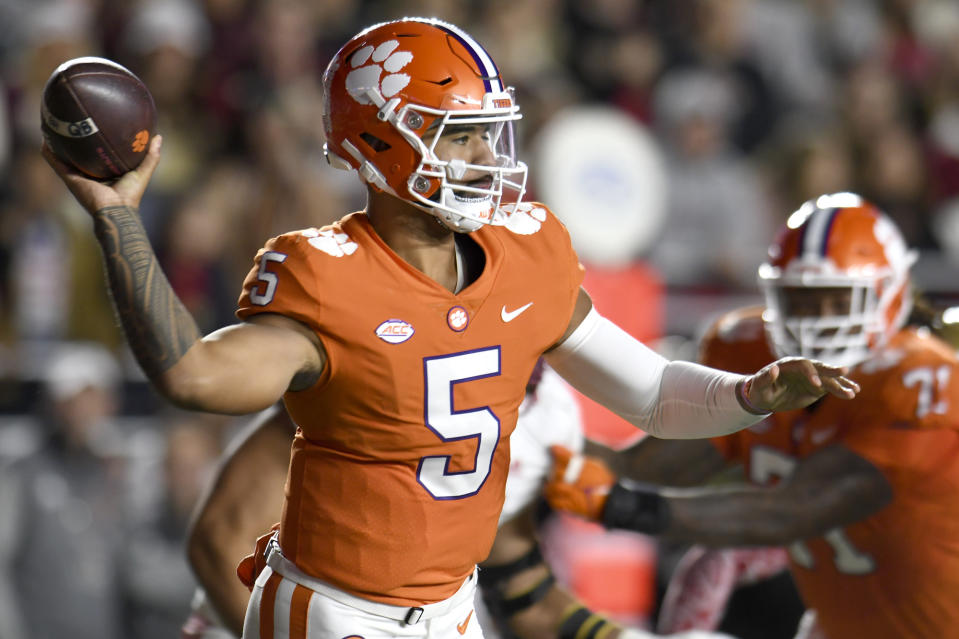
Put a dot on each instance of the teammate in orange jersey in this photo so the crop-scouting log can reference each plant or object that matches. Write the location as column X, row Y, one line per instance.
column 401, row 338
column 522, row 598
column 864, row 491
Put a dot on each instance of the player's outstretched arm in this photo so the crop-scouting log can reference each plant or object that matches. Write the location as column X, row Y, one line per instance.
column 675, row 399
column 831, row 488
column 673, row 462
column 240, row 369
column 242, row 502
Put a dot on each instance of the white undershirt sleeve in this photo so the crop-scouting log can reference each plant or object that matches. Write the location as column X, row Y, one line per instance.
column 672, row 400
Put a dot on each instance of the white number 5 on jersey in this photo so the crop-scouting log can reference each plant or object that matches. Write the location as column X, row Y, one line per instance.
column 267, row 278
column 441, row 375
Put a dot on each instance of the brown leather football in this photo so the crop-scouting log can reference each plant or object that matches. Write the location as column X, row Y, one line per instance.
column 97, row 116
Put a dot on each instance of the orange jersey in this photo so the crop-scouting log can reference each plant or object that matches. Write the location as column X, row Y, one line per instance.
column 399, row 463
column 896, row 573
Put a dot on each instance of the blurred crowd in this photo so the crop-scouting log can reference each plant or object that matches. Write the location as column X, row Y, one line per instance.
column 755, row 106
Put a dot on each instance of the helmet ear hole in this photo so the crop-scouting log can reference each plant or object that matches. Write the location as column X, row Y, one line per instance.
column 375, row 143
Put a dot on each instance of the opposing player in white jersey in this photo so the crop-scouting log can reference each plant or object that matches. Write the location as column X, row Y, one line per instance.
column 520, row 597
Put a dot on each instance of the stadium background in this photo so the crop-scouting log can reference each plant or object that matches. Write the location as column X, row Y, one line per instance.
column 672, row 137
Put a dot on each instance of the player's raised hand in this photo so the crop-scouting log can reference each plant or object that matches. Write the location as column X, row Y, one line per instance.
column 794, row 382
column 94, row 195
column 578, row 484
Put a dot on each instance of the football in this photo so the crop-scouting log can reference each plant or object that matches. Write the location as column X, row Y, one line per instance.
column 97, row 116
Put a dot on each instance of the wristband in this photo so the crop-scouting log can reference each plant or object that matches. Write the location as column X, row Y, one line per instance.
column 502, row 607
column 579, row 622
column 742, row 394
column 632, row 506
column 490, row 576
column 509, row 606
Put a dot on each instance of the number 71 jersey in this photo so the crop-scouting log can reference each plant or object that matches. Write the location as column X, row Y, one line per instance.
column 895, row 573
column 399, row 463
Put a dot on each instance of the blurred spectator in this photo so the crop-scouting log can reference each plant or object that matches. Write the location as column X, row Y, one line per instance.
column 51, row 280
column 593, row 30
column 717, row 222
column 713, row 38
column 637, row 59
column 51, row 276
column 938, row 24
column 159, row 583
column 163, row 42
column 61, row 529
column 946, row 228
column 872, row 101
column 902, row 49
column 524, row 37
column 527, row 42
column 195, row 248
column 842, row 30
column 894, row 176
column 49, row 33
column 220, row 85
column 6, row 130
column 459, row 13
column 780, row 37
column 805, row 162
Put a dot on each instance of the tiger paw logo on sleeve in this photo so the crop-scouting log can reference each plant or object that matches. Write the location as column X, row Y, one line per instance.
column 524, row 218
column 331, row 242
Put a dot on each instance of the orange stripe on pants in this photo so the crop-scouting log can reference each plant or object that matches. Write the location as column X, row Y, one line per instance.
column 267, row 603
column 299, row 610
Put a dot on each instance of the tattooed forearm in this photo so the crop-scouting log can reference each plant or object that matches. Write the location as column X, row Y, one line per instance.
column 157, row 325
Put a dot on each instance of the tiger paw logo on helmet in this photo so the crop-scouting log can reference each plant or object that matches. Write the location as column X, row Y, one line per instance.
column 384, row 57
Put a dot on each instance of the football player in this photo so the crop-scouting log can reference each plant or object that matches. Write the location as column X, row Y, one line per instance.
column 522, row 598
column 862, row 492
column 401, row 338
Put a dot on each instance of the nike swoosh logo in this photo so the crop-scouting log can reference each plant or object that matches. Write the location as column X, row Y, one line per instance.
column 461, row 627
column 509, row 316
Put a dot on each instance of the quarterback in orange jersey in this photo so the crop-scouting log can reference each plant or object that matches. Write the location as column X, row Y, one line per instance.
column 521, row 599
column 863, row 491
column 401, row 339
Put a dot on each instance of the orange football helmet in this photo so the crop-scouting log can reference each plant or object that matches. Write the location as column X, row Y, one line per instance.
column 836, row 281
column 396, row 81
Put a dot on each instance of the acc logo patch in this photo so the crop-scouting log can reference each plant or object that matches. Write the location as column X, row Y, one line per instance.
column 395, row 331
